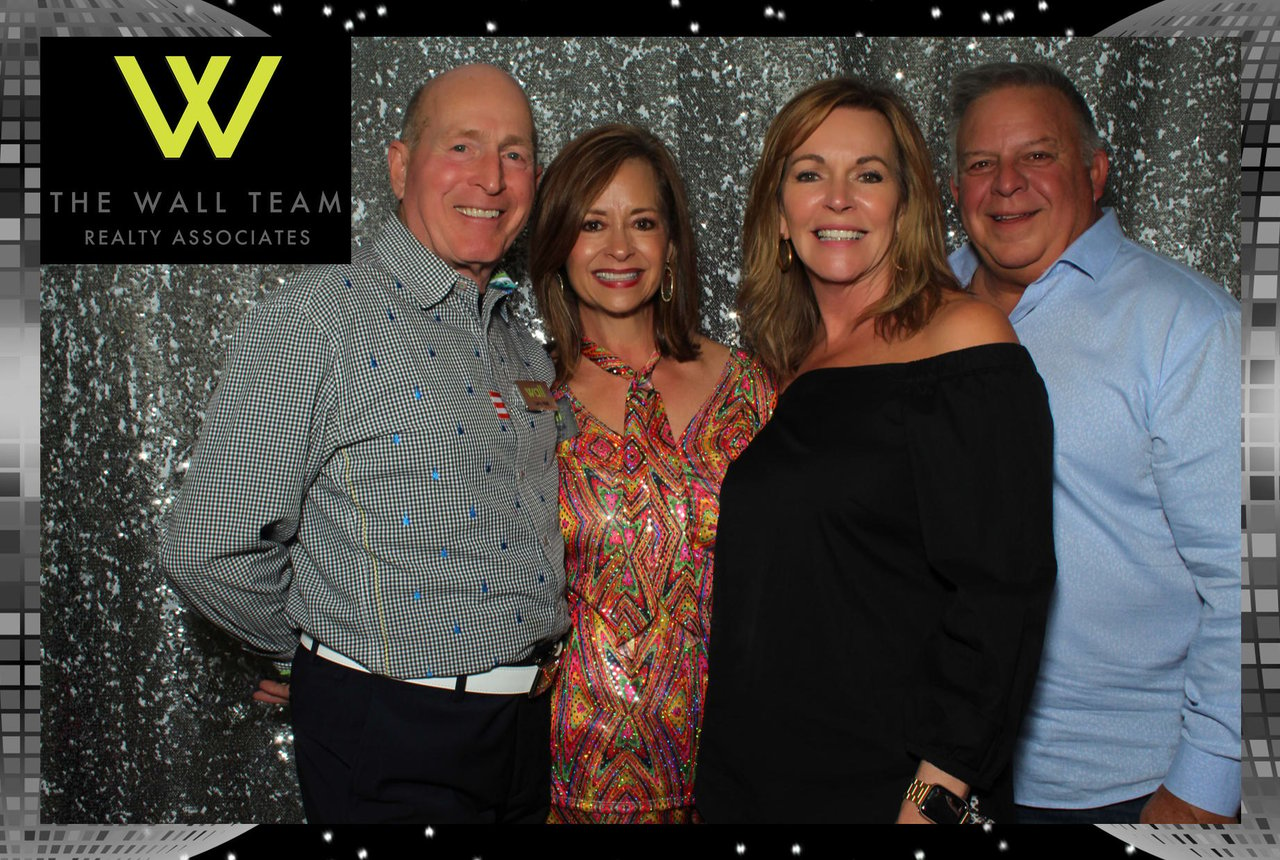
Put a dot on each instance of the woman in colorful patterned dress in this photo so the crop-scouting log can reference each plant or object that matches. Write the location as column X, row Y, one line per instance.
column 660, row 411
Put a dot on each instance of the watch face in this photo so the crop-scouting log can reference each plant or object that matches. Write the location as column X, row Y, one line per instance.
column 943, row 807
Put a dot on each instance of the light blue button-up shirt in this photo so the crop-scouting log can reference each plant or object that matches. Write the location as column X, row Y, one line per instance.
column 1140, row 680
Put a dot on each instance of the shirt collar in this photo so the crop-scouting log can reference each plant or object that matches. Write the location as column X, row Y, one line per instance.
column 428, row 279
column 1093, row 251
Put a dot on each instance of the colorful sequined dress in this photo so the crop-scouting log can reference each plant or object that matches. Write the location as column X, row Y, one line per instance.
column 639, row 512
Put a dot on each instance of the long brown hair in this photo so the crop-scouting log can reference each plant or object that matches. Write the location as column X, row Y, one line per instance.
column 779, row 315
column 577, row 176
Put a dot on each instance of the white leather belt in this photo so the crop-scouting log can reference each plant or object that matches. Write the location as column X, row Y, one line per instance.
column 501, row 680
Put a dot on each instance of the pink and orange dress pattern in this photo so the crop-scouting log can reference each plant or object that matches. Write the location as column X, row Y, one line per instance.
column 638, row 511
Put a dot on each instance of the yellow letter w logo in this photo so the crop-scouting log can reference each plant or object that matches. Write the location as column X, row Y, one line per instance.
column 173, row 141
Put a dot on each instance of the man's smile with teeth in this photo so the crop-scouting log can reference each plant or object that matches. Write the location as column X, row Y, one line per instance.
column 478, row 213
column 841, row 234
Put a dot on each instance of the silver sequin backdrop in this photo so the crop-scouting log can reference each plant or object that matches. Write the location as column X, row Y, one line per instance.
column 146, row 714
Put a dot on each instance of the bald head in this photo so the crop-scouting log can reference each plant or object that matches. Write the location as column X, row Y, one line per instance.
column 470, row 81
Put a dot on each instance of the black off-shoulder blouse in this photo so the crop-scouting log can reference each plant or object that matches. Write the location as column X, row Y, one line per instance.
column 884, row 564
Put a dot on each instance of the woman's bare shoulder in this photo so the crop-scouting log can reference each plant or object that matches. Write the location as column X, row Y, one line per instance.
column 965, row 320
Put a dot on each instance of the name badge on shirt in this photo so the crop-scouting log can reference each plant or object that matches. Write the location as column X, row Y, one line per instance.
column 537, row 397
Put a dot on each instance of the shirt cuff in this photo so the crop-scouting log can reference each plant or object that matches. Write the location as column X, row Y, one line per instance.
column 1207, row 781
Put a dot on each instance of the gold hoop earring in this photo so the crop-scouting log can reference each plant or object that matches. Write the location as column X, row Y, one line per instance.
column 786, row 256
column 668, row 284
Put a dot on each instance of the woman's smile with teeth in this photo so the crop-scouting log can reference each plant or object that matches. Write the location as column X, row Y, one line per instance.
column 617, row 277
column 841, row 234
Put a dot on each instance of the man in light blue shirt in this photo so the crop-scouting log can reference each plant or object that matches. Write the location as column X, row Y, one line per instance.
column 1136, row 714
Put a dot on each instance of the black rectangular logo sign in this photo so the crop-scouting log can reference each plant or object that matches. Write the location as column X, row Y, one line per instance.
column 196, row 151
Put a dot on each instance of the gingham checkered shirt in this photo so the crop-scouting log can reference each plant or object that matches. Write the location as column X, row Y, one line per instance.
column 354, row 479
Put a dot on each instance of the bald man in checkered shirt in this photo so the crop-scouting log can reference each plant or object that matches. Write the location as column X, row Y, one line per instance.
column 374, row 492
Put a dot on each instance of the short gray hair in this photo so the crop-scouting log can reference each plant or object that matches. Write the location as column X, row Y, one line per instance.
column 972, row 84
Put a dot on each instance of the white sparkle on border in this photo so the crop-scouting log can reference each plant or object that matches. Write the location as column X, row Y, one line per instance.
column 675, row 4
column 231, row 856
column 898, row 75
column 1042, row 6
column 741, row 849
column 362, row 854
column 1070, row 31
column 430, row 833
column 694, row 27
column 327, row 836
column 278, row 9
column 361, row 15
column 920, row 854
column 348, row 25
column 382, row 11
column 1003, row 846
column 327, row 11
column 986, row 827
column 782, row 16
column 1008, row 14
column 795, row 849
column 768, row 11
column 1130, row 850
column 936, row 13
column 491, row 26
column 986, row 17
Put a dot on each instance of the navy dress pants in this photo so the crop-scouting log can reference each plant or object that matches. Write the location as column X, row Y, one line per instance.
column 374, row 750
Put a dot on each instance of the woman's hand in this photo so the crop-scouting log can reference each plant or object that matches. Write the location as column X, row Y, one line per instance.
column 272, row 692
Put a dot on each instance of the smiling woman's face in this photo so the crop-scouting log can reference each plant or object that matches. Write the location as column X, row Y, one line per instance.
column 623, row 247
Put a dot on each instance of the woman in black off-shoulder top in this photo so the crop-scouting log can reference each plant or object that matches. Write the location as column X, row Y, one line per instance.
column 885, row 555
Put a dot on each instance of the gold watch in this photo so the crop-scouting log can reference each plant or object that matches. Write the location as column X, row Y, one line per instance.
column 941, row 805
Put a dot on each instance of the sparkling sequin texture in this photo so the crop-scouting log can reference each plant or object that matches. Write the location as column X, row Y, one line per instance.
column 638, row 512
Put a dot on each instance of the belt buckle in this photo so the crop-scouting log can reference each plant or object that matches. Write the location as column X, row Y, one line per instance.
column 547, row 668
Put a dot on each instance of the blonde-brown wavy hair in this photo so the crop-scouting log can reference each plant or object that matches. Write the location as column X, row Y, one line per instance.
column 777, row 310
column 577, row 176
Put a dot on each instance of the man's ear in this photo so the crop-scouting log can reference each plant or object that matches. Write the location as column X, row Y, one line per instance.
column 397, row 167
column 1099, row 165
column 955, row 189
